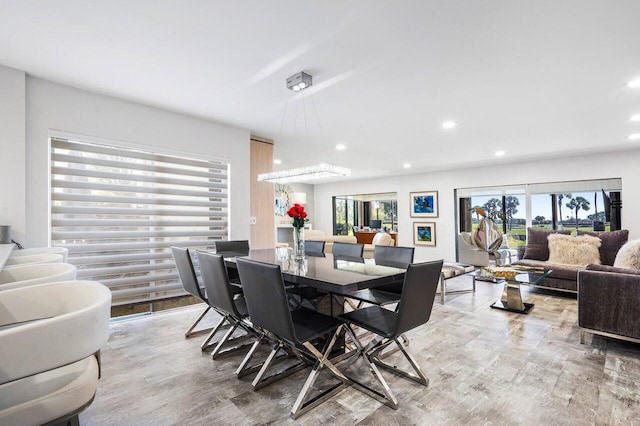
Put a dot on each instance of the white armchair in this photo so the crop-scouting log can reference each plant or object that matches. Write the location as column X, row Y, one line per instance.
column 50, row 336
column 380, row 239
column 470, row 253
column 28, row 275
column 41, row 250
column 33, row 259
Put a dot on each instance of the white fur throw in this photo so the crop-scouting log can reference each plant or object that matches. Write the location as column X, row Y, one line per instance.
column 568, row 250
column 629, row 255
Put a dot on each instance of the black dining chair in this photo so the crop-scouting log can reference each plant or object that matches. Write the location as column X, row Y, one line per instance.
column 314, row 248
column 220, row 296
column 233, row 248
column 347, row 249
column 416, row 302
column 397, row 257
column 187, row 274
column 296, row 330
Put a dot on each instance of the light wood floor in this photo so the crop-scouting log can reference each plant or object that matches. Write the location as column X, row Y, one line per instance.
column 486, row 366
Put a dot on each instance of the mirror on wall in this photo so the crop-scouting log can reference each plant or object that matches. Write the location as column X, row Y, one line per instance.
column 365, row 212
column 282, row 199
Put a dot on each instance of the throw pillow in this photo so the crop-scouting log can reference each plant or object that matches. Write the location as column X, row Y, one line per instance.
column 611, row 243
column 568, row 250
column 537, row 244
column 629, row 256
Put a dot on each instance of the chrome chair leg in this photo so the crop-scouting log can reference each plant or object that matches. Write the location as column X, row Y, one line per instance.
column 420, row 377
column 190, row 333
column 220, row 349
column 206, row 345
column 405, row 341
column 261, row 381
column 244, row 369
column 385, row 396
column 322, row 360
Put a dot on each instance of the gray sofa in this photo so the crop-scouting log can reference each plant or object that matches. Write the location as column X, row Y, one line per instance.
column 565, row 277
column 609, row 302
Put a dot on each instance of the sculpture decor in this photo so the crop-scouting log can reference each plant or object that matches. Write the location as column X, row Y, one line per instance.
column 487, row 236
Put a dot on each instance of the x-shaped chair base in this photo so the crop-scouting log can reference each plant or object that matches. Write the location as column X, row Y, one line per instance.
column 306, row 358
column 222, row 347
column 244, row 369
column 353, row 306
column 191, row 332
column 371, row 353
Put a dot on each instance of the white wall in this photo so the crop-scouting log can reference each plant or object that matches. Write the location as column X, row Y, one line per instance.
column 52, row 106
column 12, row 151
column 623, row 165
column 309, row 190
column 309, row 207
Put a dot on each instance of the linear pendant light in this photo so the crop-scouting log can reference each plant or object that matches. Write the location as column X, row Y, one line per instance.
column 316, row 171
column 297, row 83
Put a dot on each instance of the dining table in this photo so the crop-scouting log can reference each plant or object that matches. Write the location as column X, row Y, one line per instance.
column 328, row 273
column 332, row 278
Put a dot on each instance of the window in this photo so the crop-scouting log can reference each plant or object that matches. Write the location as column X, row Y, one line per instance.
column 343, row 218
column 507, row 207
column 386, row 212
column 119, row 210
column 556, row 205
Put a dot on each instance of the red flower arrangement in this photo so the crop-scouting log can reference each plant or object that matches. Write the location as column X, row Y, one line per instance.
column 298, row 214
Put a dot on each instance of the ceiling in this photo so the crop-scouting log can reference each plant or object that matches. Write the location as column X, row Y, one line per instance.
column 535, row 79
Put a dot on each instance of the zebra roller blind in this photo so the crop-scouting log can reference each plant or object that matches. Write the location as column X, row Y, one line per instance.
column 119, row 210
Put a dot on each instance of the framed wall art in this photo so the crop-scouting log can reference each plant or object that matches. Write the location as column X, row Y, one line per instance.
column 424, row 234
column 424, row 204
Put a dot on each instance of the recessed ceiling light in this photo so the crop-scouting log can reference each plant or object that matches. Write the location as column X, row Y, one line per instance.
column 635, row 117
column 341, row 147
column 448, row 124
column 634, row 84
column 406, row 165
column 499, row 153
column 634, row 137
column 277, row 161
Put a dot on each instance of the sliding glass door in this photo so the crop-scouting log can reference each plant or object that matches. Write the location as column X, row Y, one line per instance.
column 506, row 206
column 574, row 205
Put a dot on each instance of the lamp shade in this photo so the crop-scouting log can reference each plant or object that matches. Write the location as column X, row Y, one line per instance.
column 299, row 198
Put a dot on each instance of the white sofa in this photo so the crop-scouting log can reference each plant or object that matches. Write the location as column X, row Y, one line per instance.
column 317, row 235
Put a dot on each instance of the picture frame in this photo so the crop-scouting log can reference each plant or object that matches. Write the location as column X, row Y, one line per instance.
column 424, row 234
column 424, row 204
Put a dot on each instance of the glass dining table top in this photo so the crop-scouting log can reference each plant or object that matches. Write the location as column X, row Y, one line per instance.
column 338, row 275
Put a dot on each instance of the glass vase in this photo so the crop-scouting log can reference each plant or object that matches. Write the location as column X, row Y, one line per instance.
column 298, row 243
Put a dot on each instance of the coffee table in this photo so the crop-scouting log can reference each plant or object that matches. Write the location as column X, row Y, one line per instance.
column 511, row 299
